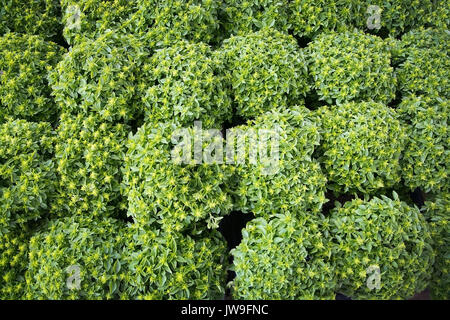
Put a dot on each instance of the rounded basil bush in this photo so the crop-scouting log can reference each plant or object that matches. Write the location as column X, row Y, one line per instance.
column 425, row 65
column 102, row 77
column 437, row 212
column 361, row 146
column 426, row 157
column 284, row 257
column 265, row 70
column 27, row 172
column 88, row 156
column 381, row 248
column 351, row 66
column 184, row 84
column 173, row 266
column 25, row 61
column 275, row 170
column 77, row 258
column 172, row 180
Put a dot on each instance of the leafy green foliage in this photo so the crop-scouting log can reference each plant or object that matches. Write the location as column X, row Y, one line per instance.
column 13, row 264
column 284, row 258
column 351, row 66
column 25, row 61
column 110, row 129
column 101, row 77
column 87, row 19
column 91, row 246
column 397, row 16
column 164, row 20
column 243, row 16
column 310, row 17
column 440, row 16
column 384, row 233
column 172, row 266
column 266, row 70
column 426, row 158
column 89, row 154
column 26, row 172
column 183, row 85
column 427, row 38
column 174, row 195
column 290, row 182
column 172, row 20
column 438, row 216
column 426, row 68
column 361, row 146
column 38, row 17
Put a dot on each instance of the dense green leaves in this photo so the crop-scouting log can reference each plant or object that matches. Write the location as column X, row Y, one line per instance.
column 27, row 176
column 24, row 64
column 172, row 266
column 87, row 18
column 287, row 181
column 265, row 70
column 172, row 20
column 440, row 16
column 351, row 66
column 101, row 77
column 362, row 146
column 183, row 85
column 174, row 195
column 426, row 68
column 38, row 17
column 85, row 258
column 427, row 38
column 310, row 17
column 89, row 154
column 307, row 18
column 438, row 216
column 128, row 125
column 77, row 258
column 13, row 264
column 284, row 258
column 426, row 159
column 164, row 21
column 396, row 16
column 385, row 234
column 243, row 16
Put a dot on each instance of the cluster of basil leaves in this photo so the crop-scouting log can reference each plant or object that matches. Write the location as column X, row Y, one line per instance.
column 99, row 87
